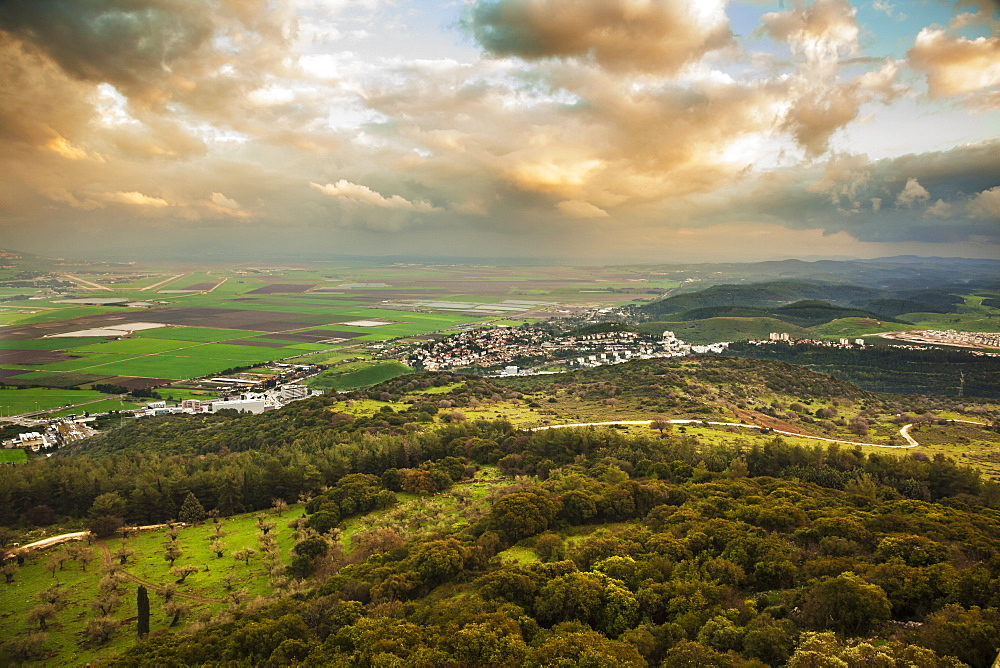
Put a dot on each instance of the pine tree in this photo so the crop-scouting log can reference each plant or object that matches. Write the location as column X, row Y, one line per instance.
column 142, row 603
column 191, row 510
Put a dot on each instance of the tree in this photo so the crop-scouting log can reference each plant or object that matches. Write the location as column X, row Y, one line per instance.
column 846, row 604
column 971, row 634
column 106, row 603
column 86, row 556
column 662, row 425
column 107, row 514
column 142, row 606
column 41, row 614
column 573, row 645
column 175, row 610
column 439, row 560
column 100, row 629
column 182, row 572
column 191, row 511
column 522, row 514
column 265, row 525
column 9, row 570
column 218, row 547
column 26, row 646
column 123, row 553
column 280, row 506
column 172, row 553
column 245, row 555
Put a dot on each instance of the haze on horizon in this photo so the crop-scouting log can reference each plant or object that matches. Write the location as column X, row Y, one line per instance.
column 587, row 130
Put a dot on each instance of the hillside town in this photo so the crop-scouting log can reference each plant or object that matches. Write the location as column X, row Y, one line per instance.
column 510, row 351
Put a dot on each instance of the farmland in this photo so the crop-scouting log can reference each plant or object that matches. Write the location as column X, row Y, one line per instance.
column 177, row 323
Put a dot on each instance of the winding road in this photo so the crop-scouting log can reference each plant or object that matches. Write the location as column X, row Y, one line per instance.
column 904, row 432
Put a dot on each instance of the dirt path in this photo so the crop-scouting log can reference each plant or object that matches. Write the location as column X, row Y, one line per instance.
column 107, row 558
column 905, row 433
column 163, row 282
column 909, row 438
column 53, row 540
column 87, row 283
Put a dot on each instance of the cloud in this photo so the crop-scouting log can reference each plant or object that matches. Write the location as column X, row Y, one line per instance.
column 958, row 66
column 986, row 205
column 822, row 31
column 359, row 194
column 819, row 102
column 620, row 35
column 580, row 209
column 225, row 202
column 940, row 209
column 135, row 199
column 912, row 193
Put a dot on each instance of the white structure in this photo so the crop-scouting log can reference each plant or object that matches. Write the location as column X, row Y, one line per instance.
column 293, row 392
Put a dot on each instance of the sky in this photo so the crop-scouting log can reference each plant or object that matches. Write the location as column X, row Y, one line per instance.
column 584, row 131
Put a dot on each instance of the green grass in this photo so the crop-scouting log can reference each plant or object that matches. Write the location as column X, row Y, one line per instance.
column 201, row 334
column 99, row 407
column 174, row 368
column 136, row 346
column 13, row 402
column 229, row 352
column 65, row 637
column 13, row 456
column 712, row 330
column 855, row 327
column 519, row 555
column 362, row 374
column 52, row 344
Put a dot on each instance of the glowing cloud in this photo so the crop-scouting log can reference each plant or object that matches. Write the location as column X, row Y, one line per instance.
column 359, row 194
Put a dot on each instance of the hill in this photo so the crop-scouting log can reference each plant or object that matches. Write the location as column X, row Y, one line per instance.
column 803, row 313
column 442, row 524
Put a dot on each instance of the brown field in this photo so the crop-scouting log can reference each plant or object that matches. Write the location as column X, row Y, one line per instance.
column 138, row 383
column 34, row 357
column 10, row 373
column 202, row 316
column 202, row 286
column 282, row 288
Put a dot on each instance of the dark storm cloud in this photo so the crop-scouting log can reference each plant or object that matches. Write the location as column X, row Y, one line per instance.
column 621, row 35
column 132, row 44
column 931, row 197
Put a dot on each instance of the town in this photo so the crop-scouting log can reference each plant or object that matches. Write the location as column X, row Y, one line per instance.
column 525, row 350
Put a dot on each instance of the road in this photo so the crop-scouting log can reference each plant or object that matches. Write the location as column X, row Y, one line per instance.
column 88, row 283
column 903, row 432
column 163, row 282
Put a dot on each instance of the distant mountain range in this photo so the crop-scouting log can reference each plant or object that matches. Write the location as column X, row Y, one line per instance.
column 801, row 302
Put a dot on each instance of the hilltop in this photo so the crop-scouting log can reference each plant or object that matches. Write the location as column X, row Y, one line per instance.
column 443, row 520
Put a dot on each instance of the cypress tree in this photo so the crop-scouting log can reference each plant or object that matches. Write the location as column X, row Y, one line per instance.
column 191, row 510
column 142, row 603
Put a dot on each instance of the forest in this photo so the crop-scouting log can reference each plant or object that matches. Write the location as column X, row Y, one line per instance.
column 595, row 546
column 881, row 368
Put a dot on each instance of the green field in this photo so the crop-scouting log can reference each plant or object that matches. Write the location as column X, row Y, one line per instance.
column 358, row 374
column 216, row 580
column 136, row 346
column 712, row 330
column 201, row 334
column 14, row 402
column 13, row 456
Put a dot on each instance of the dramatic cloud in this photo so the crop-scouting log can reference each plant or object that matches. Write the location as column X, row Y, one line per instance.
column 956, row 66
column 623, row 129
column 621, row 35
